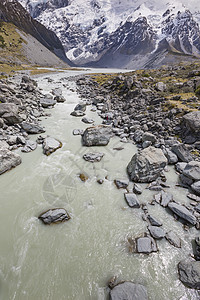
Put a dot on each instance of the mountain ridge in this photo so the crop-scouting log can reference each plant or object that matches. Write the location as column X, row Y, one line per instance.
column 90, row 31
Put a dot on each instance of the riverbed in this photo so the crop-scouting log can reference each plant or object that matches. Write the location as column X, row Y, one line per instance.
column 74, row 260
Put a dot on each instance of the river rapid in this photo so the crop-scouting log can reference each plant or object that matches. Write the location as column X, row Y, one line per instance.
column 74, row 260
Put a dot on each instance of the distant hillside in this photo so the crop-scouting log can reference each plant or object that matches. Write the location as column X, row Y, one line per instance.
column 18, row 47
column 12, row 11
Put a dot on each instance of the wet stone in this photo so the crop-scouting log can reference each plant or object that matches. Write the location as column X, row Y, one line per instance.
column 132, row 200
column 146, row 245
column 57, row 215
column 137, row 189
column 189, row 273
column 173, row 239
column 121, row 183
column 182, row 212
column 156, row 232
column 93, row 157
column 128, row 291
column 154, row 221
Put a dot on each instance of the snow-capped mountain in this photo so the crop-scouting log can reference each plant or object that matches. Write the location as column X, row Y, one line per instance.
column 120, row 32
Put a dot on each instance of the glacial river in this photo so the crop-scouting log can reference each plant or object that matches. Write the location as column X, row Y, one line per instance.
column 74, row 260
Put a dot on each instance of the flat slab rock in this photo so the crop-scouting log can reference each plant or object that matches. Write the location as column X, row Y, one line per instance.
column 156, row 232
column 32, row 128
column 50, row 145
column 147, row 165
column 56, row 215
column 132, row 200
column 189, row 273
column 8, row 160
column 128, row 291
column 182, row 212
column 93, row 157
column 146, row 245
column 173, row 239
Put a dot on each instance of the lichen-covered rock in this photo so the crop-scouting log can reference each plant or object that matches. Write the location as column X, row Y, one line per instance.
column 97, row 136
column 56, row 215
column 147, row 165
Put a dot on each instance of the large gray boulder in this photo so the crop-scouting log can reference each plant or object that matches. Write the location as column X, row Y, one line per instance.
column 50, row 145
column 8, row 160
column 128, row 291
column 182, row 212
column 191, row 124
column 147, row 165
column 56, row 215
column 97, row 136
column 9, row 112
column 192, row 170
column 189, row 273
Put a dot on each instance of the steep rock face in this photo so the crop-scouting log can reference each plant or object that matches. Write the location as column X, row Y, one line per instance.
column 12, row 11
column 121, row 33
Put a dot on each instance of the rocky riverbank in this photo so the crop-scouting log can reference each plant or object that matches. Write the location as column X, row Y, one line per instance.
column 158, row 111
column 22, row 105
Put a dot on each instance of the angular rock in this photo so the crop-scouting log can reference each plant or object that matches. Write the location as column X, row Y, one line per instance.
column 55, row 216
column 48, row 101
column 192, row 170
column 192, row 121
column 132, row 200
column 182, row 212
column 78, row 132
column 128, row 291
column 189, row 273
column 80, row 107
column 121, row 183
column 166, row 198
column 60, row 99
column 57, row 92
column 149, row 137
column 87, row 120
column 196, row 187
column 146, row 245
column 185, row 180
column 180, row 166
column 8, row 160
column 96, row 136
column 147, row 165
column 182, row 152
column 32, row 128
column 50, row 145
column 77, row 113
column 9, row 112
column 156, row 232
column 160, row 86
column 173, row 239
column 171, row 157
column 93, row 157
column 137, row 189
column 30, row 146
column 153, row 221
